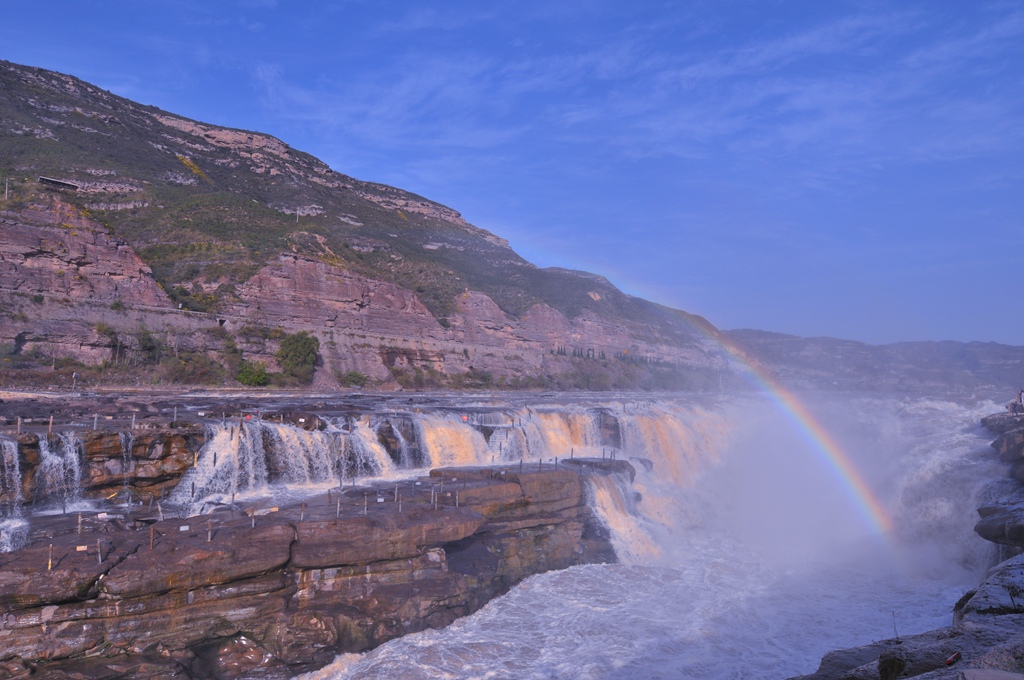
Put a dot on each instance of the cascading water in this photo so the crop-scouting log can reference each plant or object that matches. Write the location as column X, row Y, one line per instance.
column 762, row 560
column 446, row 440
column 262, row 457
column 364, row 455
column 127, row 462
column 299, row 457
column 10, row 479
column 13, row 529
column 59, row 475
column 613, row 500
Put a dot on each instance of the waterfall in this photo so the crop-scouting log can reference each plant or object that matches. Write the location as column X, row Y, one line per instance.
column 446, row 440
column 10, row 479
column 364, row 455
column 259, row 458
column 252, row 458
column 405, row 453
column 231, row 462
column 127, row 462
column 679, row 443
column 58, row 477
column 13, row 529
column 298, row 457
column 612, row 498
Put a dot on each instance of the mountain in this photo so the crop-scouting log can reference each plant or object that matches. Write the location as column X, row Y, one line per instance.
column 989, row 368
column 140, row 246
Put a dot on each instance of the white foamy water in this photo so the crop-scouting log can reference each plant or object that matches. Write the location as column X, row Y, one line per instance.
column 747, row 557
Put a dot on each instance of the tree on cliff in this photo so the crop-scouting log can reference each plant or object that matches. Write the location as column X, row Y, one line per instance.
column 297, row 356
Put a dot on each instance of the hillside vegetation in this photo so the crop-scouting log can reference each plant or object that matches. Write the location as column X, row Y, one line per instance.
column 226, row 222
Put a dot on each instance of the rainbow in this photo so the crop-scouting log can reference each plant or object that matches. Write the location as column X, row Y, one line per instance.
column 819, row 438
column 831, row 453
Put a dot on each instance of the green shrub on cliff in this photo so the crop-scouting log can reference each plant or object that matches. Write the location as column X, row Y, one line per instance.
column 297, row 356
column 253, row 374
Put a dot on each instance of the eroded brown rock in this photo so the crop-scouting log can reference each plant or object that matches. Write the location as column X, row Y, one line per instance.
column 223, row 597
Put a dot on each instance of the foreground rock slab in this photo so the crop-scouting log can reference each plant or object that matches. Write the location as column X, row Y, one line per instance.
column 282, row 590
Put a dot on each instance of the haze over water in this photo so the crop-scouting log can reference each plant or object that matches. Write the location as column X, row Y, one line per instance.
column 751, row 561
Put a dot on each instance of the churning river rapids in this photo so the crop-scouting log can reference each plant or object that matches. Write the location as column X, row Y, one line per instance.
column 749, row 556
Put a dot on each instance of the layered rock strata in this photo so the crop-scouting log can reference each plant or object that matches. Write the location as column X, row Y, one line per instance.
column 136, row 464
column 69, row 289
column 284, row 589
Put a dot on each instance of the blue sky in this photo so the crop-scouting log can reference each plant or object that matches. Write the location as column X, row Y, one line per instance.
column 844, row 168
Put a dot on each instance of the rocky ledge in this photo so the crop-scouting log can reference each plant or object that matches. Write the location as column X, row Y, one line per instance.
column 986, row 640
column 279, row 590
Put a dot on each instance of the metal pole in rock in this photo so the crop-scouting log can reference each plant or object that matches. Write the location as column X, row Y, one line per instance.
column 399, row 502
column 160, row 510
column 99, row 552
column 95, row 421
column 209, row 530
column 79, row 524
column 49, row 561
column 456, row 499
column 49, row 430
column 302, row 512
column 175, row 414
column 133, row 421
column 365, row 503
column 19, row 424
column 337, row 514
column 253, row 519
column 396, row 493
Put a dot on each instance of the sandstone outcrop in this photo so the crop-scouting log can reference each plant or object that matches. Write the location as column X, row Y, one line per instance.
column 254, row 239
column 139, row 592
column 60, row 252
column 140, row 464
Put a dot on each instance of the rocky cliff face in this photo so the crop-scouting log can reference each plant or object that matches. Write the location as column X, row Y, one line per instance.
column 152, row 212
column 137, row 594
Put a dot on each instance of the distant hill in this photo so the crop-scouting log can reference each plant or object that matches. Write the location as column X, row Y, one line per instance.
column 131, row 236
column 987, row 367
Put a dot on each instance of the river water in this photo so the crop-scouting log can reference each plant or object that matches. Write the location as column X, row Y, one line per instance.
column 748, row 555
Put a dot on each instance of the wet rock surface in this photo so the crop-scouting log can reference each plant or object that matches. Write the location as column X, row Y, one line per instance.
column 276, row 591
column 986, row 638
